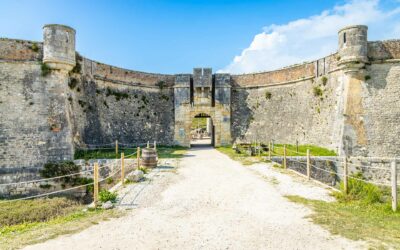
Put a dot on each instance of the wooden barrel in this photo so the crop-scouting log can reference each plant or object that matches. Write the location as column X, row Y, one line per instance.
column 149, row 157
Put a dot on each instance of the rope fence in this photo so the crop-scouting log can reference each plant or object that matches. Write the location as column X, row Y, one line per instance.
column 340, row 163
column 94, row 171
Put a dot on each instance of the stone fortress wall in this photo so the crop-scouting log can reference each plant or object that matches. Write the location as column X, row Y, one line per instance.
column 347, row 101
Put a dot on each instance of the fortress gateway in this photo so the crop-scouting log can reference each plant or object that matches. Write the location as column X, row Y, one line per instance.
column 52, row 101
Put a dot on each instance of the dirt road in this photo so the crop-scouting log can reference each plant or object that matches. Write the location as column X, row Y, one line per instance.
column 211, row 202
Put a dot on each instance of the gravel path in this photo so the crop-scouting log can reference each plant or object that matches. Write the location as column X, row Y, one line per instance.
column 210, row 202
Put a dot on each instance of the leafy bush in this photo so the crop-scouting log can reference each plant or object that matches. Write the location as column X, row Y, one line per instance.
column 324, row 80
column 367, row 77
column 143, row 169
column 161, row 84
column 118, row 95
column 72, row 83
column 268, row 95
column 105, row 195
column 317, row 91
column 45, row 69
column 34, row 47
column 59, row 169
column 77, row 68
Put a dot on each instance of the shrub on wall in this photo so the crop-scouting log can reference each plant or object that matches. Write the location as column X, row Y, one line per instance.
column 72, row 83
column 317, row 91
column 324, row 80
column 268, row 95
column 118, row 95
column 45, row 69
column 34, row 47
column 59, row 169
column 161, row 84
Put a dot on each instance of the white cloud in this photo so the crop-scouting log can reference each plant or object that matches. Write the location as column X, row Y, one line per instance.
column 313, row 37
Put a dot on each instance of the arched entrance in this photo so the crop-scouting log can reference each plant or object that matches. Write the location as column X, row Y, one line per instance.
column 202, row 131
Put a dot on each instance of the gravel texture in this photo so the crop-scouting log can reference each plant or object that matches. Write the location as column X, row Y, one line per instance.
column 210, row 202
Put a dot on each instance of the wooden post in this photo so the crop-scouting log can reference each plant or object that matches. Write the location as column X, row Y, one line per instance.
column 308, row 164
column 345, row 175
column 259, row 149
column 155, row 145
column 297, row 146
column 284, row 157
column 269, row 150
column 148, row 144
column 122, row 168
column 138, row 157
column 96, row 183
column 394, row 185
column 116, row 148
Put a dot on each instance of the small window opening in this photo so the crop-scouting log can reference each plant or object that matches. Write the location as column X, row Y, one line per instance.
column 344, row 37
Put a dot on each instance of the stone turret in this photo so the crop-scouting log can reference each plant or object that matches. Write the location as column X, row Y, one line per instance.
column 59, row 47
column 353, row 45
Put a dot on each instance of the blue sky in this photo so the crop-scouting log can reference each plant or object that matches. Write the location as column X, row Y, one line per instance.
column 175, row 36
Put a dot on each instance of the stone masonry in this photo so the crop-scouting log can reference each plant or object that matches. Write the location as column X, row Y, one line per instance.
column 54, row 101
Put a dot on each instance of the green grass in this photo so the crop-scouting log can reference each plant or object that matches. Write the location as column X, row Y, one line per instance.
column 171, row 152
column 291, row 150
column 357, row 220
column 364, row 213
column 17, row 236
column 103, row 153
column 25, row 211
column 243, row 158
column 162, row 151
column 32, row 221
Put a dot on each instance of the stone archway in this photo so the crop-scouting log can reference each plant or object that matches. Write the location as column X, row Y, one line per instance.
column 202, row 130
column 202, row 93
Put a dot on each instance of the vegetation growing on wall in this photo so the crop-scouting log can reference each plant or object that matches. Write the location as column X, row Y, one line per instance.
column 317, row 91
column 72, row 83
column 34, row 47
column 45, row 69
column 165, row 97
column 161, row 84
column 268, row 95
column 64, row 168
column 118, row 95
column 324, row 80
column 82, row 103
column 77, row 68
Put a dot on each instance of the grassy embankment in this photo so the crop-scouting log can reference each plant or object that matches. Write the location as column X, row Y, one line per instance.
column 162, row 151
column 32, row 221
column 363, row 214
column 246, row 159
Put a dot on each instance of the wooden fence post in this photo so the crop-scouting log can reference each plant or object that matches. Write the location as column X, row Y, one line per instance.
column 297, row 146
column 116, row 148
column 138, row 157
column 269, row 150
column 122, row 168
column 345, row 175
column 148, row 144
column 96, row 183
column 308, row 164
column 394, row 185
column 284, row 157
column 155, row 145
